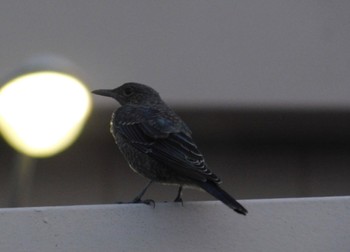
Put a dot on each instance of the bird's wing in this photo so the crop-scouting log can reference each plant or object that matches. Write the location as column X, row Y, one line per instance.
column 167, row 139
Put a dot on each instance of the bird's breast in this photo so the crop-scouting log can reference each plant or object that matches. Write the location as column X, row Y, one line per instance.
column 112, row 127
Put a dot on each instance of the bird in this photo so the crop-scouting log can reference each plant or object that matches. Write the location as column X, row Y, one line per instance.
column 158, row 144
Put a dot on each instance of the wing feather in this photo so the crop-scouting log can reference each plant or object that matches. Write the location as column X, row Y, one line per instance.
column 166, row 139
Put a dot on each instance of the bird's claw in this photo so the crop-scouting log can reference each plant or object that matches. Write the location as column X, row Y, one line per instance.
column 146, row 201
column 137, row 200
column 179, row 199
column 149, row 202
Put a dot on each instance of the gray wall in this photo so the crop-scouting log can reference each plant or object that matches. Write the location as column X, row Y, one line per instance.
column 261, row 53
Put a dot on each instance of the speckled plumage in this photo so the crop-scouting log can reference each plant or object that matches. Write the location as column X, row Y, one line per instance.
column 158, row 145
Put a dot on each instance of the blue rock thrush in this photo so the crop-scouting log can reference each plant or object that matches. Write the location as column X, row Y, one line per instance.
column 158, row 144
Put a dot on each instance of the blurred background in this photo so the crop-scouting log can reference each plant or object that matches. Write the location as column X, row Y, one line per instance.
column 264, row 86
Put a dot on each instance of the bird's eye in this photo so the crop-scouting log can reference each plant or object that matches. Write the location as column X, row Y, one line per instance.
column 128, row 91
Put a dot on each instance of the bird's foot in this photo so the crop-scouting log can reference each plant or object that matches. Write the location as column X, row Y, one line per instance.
column 179, row 199
column 146, row 201
column 137, row 200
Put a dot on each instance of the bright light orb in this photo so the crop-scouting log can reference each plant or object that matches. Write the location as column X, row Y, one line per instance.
column 42, row 113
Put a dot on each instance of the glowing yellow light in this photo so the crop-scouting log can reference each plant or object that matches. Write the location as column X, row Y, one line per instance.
column 42, row 113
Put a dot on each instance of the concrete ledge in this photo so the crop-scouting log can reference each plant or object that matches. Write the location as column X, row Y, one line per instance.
column 308, row 224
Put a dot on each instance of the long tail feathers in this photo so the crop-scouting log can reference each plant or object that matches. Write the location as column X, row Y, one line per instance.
column 223, row 196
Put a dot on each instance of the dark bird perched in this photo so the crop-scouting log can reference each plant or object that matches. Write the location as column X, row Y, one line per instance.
column 158, row 144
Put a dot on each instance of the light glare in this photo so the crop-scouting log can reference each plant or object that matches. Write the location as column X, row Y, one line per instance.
column 42, row 113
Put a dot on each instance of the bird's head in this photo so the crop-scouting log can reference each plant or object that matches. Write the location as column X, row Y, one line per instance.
column 131, row 93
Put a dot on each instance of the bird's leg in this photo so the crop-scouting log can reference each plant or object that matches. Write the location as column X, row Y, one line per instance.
column 137, row 199
column 179, row 196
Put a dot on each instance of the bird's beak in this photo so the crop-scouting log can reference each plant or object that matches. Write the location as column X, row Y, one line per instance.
column 104, row 92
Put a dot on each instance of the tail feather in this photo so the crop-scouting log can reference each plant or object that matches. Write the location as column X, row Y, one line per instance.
column 223, row 196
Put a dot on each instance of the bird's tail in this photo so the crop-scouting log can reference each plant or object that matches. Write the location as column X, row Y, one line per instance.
column 223, row 196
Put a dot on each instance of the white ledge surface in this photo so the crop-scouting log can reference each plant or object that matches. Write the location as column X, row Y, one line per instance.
column 304, row 224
